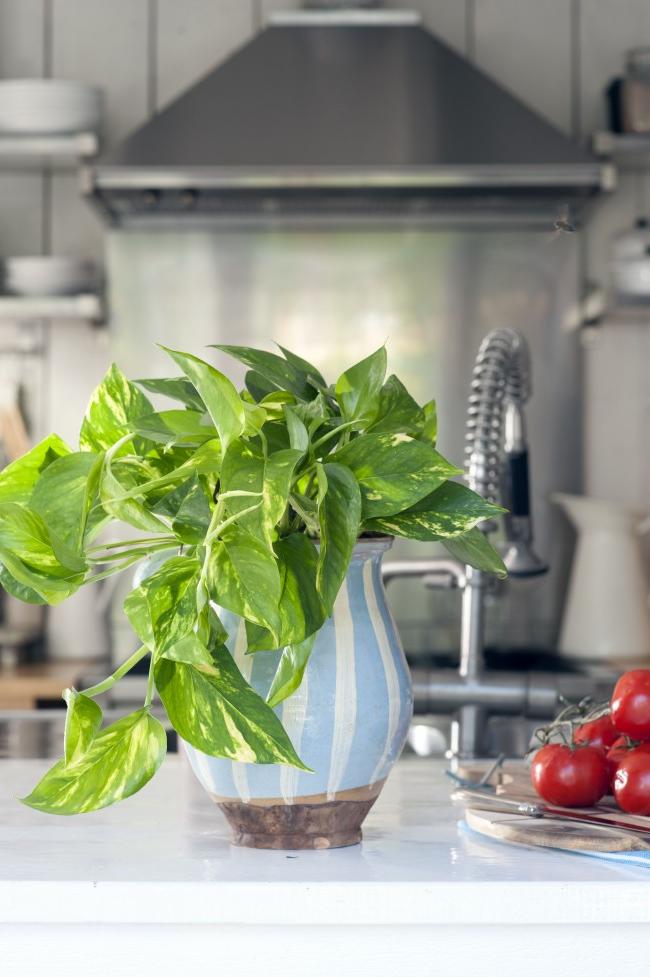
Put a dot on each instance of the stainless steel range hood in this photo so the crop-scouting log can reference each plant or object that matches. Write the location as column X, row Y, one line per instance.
column 345, row 115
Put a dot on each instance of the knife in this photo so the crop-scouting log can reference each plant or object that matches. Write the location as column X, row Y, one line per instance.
column 481, row 800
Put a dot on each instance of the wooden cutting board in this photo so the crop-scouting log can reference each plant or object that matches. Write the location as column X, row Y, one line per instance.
column 513, row 783
column 548, row 833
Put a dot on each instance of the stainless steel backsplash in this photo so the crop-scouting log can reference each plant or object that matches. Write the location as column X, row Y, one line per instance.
column 335, row 294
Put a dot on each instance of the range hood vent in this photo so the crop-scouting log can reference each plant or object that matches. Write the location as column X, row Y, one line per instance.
column 343, row 115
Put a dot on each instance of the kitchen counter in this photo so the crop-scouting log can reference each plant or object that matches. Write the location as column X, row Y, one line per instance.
column 152, row 886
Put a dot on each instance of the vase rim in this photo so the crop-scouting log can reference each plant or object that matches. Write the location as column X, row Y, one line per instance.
column 372, row 544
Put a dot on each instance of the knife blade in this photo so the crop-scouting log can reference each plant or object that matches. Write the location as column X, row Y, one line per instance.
column 490, row 802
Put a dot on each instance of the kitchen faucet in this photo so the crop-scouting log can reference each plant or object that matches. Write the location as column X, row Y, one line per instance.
column 496, row 466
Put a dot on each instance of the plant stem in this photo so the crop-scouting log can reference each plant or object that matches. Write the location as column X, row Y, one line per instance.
column 125, row 667
column 151, row 688
column 334, row 433
column 127, row 542
column 219, row 528
column 115, row 568
column 137, row 552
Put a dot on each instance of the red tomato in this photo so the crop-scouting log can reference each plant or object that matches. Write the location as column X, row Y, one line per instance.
column 570, row 777
column 632, row 783
column 600, row 733
column 618, row 751
column 631, row 704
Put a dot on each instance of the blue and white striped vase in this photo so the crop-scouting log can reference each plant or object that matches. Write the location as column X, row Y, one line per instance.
column 348, row 721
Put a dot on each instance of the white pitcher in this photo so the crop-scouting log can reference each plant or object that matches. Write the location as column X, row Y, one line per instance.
column 606, row 616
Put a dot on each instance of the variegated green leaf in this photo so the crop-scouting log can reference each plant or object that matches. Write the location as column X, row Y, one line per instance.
column 18, row 479
column 245, row 468
column 162, row 610
column 339, row 517
column 243, row 577
column 82, row 722
column 215, row 710
column 358, row 388
column 273, row 368
column 398, row 412
column 176, row 388
column 290, row 671
column 300, row 607
column 114, row 405
column 120, row 760
column 473, row 547
column 394, row 471
column 450, row 510
column 64, row 494
column 180, row 427
column 224, row 404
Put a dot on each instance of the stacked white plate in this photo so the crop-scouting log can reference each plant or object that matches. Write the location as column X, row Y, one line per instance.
column 49, row 106
column 48, row 275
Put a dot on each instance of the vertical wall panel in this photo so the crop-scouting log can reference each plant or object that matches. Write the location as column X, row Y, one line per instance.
column 20, row 213
column 21, row 38
column 446, row 18
column 528, row 51
column 75, row 227
column 106, row 44
column 21, row 56
column 194, row 36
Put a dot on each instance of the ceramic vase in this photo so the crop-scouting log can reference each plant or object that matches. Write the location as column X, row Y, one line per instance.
column 348, row 721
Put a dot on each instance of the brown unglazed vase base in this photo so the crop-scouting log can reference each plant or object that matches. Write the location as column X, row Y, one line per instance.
column 299, row 826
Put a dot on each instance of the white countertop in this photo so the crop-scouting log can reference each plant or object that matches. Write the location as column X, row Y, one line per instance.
column 163, row 857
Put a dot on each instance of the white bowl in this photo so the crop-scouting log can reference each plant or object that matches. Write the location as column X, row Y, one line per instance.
column 49, row 275
column 49, row 105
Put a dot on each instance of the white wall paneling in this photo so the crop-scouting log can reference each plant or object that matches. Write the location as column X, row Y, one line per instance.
column 445, row 18
column 21, row 38
column 529, row 52
column 191, row 38
column 105, row 44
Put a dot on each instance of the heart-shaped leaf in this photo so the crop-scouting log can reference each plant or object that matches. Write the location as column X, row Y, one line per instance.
column 82, row 722
column 176, row 388
column 475, row 549
column 449, row 511
column 217, row 392
column 215, row 710
column 358, row 389
column 339, row 517
column 273, row 368
column 290, row 671
column 245, row 468
column 243, row 577
column 162, row 610
column 18, row 479
column 119, row 761
column 394, row 471
column 115, row 404
column 64, row 494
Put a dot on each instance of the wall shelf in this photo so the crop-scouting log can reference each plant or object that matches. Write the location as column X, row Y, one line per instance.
column 630, row 150
column 87, row 307
column 66, row 150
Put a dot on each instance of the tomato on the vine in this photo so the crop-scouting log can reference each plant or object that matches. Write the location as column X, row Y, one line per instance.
column 618, row 751
column 631, row 704
column 632, row 782
column 600, row 733
column 570, row 777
